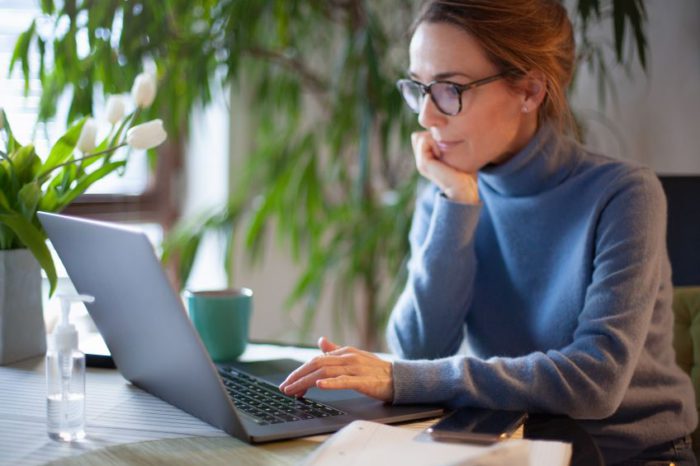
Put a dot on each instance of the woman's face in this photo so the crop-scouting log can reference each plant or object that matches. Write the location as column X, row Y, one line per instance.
column 492, row 125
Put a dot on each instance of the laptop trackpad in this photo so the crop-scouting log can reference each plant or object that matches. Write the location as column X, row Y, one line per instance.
column 276, row 370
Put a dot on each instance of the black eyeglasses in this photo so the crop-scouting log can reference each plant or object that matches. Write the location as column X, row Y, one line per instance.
column 446, row 95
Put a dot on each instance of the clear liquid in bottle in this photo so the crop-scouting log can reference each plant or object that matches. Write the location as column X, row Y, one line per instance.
column 65, row 402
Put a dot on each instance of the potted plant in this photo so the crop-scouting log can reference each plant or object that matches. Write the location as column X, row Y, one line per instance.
column 29, row 184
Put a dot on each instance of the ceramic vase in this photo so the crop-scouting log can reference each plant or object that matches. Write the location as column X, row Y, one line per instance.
column 22, row 329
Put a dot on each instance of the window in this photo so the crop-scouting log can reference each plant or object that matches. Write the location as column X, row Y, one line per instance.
column 138, row 195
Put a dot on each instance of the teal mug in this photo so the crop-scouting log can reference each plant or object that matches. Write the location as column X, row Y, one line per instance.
column 222, row 319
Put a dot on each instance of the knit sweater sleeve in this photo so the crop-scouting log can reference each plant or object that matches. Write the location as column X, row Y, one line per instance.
column 427, row 321
column 588, row 378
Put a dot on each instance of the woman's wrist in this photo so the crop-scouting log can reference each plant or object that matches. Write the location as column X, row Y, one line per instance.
column 462, row 194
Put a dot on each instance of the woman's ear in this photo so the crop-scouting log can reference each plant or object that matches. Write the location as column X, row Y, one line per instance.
column 533, row 90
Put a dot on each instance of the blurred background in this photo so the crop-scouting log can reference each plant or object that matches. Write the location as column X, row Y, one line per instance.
column 288, row 167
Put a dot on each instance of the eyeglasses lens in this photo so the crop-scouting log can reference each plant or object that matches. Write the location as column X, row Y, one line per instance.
column 444, row 95
column 412, row 94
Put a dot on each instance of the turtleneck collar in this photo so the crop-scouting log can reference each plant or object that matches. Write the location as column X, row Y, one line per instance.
column 541, row 165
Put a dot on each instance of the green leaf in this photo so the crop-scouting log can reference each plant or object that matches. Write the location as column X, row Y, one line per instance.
column 4, row 203
column 47, row 7
column 21, row 53
column 182, row 244
column 10, row 183
column 25, row 164
column 63, row 148
column 28, row 198
column 49, row 201
column 12, row 143
column 188, row 254
column 86, row 182
column 638, row 18
column 619, row 12
column 34, row 239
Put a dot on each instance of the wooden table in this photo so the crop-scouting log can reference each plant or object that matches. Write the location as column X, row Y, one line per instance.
column 110, row 439
column 207, row 450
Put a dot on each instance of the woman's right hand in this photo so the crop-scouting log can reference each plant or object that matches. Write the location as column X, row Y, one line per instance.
column 457, row 186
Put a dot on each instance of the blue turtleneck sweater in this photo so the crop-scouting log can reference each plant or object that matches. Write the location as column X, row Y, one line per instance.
column 560, row 285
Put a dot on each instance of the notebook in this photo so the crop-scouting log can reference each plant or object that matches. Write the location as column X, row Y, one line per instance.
column 364, row 442
column 146, row 328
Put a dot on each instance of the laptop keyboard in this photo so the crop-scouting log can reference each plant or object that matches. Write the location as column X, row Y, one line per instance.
column 266, row 404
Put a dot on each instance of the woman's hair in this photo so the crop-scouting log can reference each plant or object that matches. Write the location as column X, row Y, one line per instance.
column 524, row 35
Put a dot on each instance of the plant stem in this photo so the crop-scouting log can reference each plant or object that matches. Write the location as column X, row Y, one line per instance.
column 312, row 80
column 89, row 156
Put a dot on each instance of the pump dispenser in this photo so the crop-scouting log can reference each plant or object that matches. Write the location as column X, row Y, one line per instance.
column 65, row 377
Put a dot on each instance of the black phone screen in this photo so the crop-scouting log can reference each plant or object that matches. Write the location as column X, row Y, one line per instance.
column 477, row 424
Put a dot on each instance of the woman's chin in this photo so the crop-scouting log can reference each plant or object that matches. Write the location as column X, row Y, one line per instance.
column 460, row 163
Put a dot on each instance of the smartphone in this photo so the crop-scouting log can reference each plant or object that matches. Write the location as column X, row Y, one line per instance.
column 478, row 425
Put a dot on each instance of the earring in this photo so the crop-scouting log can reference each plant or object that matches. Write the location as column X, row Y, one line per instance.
column 525, row 109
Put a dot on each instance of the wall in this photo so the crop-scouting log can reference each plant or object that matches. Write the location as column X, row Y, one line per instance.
column 656, row 119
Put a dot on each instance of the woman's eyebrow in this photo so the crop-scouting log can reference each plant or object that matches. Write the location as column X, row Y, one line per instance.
column 442, row 76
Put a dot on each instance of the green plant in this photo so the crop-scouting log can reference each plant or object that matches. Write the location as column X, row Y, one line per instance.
column 29, row 184
column 331, row 166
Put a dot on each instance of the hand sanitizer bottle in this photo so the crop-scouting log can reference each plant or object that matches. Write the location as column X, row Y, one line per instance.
column 65, row 378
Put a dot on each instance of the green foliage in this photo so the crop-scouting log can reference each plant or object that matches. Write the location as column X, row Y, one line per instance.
column 620, row 14
column 331, row 166
column 28, row 185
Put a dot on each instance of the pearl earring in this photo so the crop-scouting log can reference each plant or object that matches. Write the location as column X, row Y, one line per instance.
column 525, row 109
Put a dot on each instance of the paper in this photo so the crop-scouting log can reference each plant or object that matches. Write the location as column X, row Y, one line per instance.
column 364, row 442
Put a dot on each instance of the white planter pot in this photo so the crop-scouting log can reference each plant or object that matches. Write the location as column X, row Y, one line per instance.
column 22, row 330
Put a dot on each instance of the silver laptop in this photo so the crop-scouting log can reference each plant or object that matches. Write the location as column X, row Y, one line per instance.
column 154, row 345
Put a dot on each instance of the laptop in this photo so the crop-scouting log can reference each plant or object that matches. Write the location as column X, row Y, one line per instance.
column 146, row 328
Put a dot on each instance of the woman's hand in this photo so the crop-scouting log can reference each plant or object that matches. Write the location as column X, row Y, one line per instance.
column 458, row 186
column 343, row 368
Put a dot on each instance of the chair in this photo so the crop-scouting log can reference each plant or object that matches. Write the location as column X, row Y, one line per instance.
column 683, row 241
column 683, row 230
column 686, row 341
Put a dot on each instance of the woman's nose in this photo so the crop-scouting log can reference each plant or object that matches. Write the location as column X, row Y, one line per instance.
column 429, row 116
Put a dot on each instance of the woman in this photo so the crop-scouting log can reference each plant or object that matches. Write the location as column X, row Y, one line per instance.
column 547, row 261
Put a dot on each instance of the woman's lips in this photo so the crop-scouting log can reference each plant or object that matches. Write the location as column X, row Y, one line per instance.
column 445, row 146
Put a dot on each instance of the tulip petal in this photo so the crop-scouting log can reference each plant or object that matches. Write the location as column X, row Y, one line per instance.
column 88, row 136
column 146, row 135
column 144, row 90
column 115, row 109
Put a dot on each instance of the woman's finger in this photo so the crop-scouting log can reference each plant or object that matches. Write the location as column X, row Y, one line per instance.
column 302, row 384
column 428, row 162
column 326, row 345
column 425, row 150
column 311, row 366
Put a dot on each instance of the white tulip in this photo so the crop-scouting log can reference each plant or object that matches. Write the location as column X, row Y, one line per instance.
column 147, row 135
column 144, row 90
column 88, row 136
column 115, row 109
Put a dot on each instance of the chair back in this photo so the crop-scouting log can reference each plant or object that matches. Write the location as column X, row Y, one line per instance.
column 683, row 231
column 686, row 341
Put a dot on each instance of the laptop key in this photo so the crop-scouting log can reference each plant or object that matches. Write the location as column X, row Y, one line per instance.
column 266, row 404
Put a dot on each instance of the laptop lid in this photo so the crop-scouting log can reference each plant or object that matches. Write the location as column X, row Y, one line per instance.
column 141, row 319
column 146, row 328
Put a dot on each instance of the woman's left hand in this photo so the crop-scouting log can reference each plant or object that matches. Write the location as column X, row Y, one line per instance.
column 343, row 368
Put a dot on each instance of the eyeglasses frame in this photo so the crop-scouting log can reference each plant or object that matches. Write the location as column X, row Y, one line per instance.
column 425, row 88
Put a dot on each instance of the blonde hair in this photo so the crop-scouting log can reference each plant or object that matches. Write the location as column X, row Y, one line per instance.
column 523, row 35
